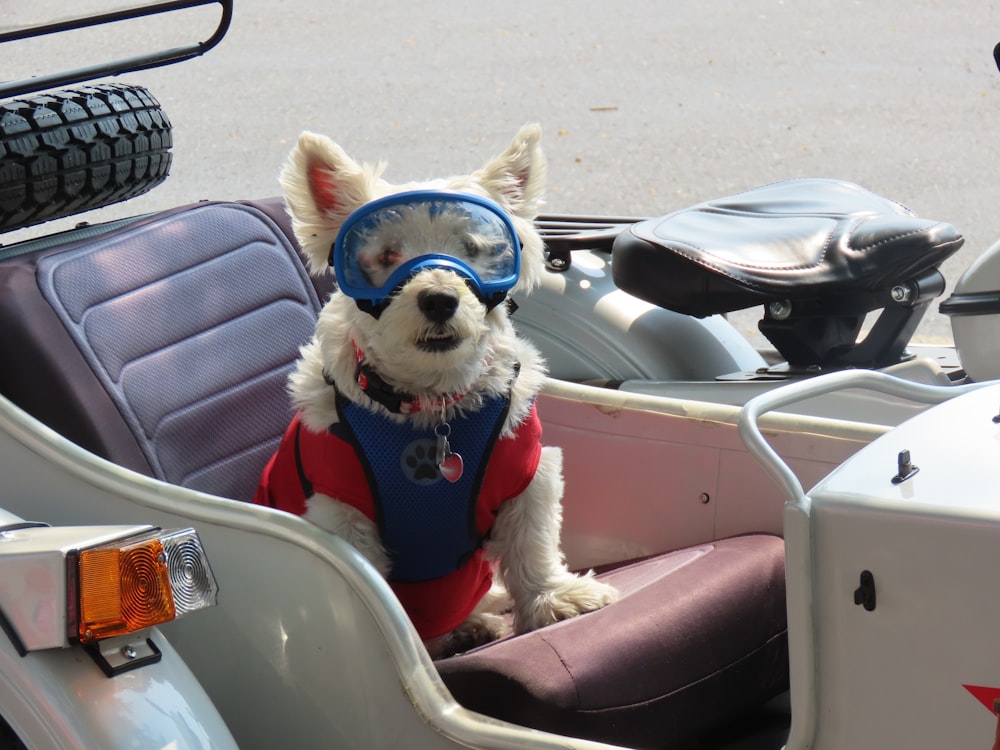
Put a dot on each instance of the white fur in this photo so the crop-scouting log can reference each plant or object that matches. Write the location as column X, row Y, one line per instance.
column 351, row 525
column 322, row 187
column 525, row 542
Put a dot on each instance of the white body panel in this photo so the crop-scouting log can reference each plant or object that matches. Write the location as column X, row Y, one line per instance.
column 894, row 676
column 588, row 329
column 58, row 699
column 975, row 334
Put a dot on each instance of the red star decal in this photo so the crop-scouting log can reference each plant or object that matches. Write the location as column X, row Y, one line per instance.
column 989, row 697
column 985, row 695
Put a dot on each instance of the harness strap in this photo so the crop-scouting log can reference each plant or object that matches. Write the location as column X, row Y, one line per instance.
column 427, row 524
column 307, row 486
column 430, row 526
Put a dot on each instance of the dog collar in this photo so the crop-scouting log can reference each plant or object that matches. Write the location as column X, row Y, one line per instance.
column 397, row 402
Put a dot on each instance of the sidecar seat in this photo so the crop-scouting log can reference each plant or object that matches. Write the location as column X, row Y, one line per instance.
column 698, row 638
column 164, row 345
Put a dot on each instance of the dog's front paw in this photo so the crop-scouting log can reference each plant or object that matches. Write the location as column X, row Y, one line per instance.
column 573, row 596
column 478, row 630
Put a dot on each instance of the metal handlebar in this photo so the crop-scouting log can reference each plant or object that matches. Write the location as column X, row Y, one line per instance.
column 754, row 409
column 122, row 65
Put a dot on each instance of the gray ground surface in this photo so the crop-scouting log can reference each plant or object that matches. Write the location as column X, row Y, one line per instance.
column 647, row 106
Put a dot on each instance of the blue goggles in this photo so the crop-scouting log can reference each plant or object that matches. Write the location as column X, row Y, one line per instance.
column 385, row 242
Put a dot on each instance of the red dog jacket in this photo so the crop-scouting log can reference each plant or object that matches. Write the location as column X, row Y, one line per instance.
column 433, row 529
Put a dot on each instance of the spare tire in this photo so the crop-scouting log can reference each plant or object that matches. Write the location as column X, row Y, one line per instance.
column 70, row 151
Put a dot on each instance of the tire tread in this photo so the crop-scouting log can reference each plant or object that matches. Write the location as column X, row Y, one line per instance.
column 74, row 150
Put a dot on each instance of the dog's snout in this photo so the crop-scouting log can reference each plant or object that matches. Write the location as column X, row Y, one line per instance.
column 438, row 306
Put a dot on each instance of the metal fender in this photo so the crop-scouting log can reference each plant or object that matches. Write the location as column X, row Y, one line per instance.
column 59, row 698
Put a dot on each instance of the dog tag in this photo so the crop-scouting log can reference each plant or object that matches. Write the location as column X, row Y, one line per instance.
column 451, row 467
column 449, row 464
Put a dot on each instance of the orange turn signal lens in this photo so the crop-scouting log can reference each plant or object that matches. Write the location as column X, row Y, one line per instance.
column 123, row 588
column 136, row 583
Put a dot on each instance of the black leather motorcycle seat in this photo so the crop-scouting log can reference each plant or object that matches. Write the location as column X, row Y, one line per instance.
column 801, row 239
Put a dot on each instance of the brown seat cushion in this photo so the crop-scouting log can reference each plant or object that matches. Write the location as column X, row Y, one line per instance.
column 697, row 640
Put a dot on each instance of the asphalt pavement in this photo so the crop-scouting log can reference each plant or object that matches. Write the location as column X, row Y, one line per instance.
column 646, row 106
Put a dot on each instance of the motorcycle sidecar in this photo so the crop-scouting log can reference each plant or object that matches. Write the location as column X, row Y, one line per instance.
column 145, row 380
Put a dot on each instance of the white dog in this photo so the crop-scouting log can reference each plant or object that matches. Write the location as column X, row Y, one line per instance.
column 416, row 438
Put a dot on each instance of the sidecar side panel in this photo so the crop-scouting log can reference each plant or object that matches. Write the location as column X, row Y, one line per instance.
column 308, row 644
column 647, row 474
column 307, row 647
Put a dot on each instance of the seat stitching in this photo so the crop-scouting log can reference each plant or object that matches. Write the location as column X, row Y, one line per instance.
column 565, row 666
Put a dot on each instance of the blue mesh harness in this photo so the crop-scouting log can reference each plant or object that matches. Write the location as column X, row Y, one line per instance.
column 427, row 523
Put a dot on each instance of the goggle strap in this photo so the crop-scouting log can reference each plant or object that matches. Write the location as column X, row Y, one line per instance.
column 492, row 301
column 373, row 307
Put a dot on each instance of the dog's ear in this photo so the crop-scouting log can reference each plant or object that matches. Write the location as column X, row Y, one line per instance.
column 516, row 178
column 322, row 187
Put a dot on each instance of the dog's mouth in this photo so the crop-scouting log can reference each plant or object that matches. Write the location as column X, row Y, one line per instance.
column 442, row 341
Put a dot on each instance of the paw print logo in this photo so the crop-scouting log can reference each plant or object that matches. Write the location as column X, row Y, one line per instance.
column 418, row 464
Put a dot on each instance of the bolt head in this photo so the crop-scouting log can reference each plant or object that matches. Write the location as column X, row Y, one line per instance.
column 779, row 309
column 900, row 293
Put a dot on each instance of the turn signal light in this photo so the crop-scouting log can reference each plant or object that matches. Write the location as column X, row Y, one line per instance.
column 135, row 583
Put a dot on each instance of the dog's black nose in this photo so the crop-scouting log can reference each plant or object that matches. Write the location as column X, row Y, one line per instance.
column 437, row 306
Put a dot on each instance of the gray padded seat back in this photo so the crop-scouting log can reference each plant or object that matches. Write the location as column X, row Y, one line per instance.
column 191, row 323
